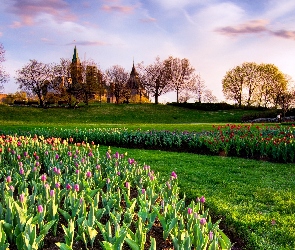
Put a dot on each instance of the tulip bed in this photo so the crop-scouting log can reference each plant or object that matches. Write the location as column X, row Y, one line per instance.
column 57, row 194
column 259, row 142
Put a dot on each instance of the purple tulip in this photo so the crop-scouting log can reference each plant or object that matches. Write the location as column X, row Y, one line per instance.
column 211, row 235
column 173, row 175
column 143, row 191
column 52, row 193
column 97, row 167
column 127, row 184
column 88, row 174
column 21, row 171
column 118, row 173
column 202, row 200
column 203, row 221
column 68, row 186
column 56, row 156
column 57, row 185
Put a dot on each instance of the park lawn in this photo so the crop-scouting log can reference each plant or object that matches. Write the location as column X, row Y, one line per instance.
column 253, row 198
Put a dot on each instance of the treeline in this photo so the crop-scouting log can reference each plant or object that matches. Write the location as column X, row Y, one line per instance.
column 75, row 82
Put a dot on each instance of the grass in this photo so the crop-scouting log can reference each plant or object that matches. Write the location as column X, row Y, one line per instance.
column 254, row 198
column 147, row 116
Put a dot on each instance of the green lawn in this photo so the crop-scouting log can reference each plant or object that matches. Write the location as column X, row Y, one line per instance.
column 253, row 198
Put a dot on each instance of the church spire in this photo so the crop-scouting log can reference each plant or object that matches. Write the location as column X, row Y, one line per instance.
column 75, row 56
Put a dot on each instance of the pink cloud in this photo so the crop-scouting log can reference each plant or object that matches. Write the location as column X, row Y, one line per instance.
column 28, row 10
column 255, row 26
column 15, row 25
column 118, row 8
column 148, row 20
column 284, row 34
column 88, row 43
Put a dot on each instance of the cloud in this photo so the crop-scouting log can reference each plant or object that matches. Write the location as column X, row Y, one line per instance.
column 15, row 25
column 254, row 26
column 1, row 34
column 28, row 10
column 88, row 43
column 148, row 20
column 284, row 34
column 118, row 8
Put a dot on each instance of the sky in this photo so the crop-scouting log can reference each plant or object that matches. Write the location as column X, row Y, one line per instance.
column 215, row 35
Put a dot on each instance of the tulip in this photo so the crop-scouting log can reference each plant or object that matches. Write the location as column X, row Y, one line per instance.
column 8, row 179
column 97, row 167
column 57, row 185
column 40, row 209
column 173, row 175
column 189, row 210
column 76, row 187
column 56, row 156
column 203, row 221
column 143, row 191
column 21, row 171
column 22, row 198
column 11, row 188
column 88, row 174
column 202, row 200
column 68, row 186
column 211, row 235
column 43, row 177
column 52, row 193
column 127, row 184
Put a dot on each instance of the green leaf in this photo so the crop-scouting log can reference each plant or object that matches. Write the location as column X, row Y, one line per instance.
column 65, row 214
column 132, row 244
column 63, row 246
column 153, row 244
column 44, row 231
column 108, row 245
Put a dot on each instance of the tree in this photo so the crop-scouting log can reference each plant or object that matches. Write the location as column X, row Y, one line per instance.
column 35, row 78
column 208, row 96
column 4, row 77
column 273, row 84
column 254, row 84
column 154, row 78
column 232, row 85
column 117, row 78
column 92, row 80
column 180, row 75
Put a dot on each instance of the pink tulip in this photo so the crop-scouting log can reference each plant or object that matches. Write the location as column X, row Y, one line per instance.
column 88, row 174
column 43, row 177
column 52, row 193
column 203, row 221
column 8, row 179
column 40, row 209
column 22, row 198
column 76, row 187
column 189, row 210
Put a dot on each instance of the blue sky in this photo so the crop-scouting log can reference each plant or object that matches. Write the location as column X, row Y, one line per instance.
column 215, row 35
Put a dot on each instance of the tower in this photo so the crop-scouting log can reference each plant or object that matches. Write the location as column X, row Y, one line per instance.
column 76, row 69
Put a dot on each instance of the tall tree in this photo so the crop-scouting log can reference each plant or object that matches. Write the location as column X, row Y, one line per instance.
column 154, row 78
column 180, row 75
column 34, row 78
column 233, row 83
column 4, row 77
column 117, row 78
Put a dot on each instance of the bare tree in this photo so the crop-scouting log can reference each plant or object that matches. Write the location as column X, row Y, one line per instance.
column 4, row 76
column 208, row 96
column 154, row 78
column 117, row 78
column 180, row 75
column 34, row 78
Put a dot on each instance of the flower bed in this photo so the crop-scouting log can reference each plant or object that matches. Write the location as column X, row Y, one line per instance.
column 259, row 142
column 55, row 193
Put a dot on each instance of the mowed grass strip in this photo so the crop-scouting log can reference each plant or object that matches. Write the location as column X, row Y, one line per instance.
column 255, row 199
column 97, row 114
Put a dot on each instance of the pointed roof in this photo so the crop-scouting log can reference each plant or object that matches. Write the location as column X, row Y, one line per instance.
column 75, row 55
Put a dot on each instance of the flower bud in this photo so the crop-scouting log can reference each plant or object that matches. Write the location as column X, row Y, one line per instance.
column 40, row 209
